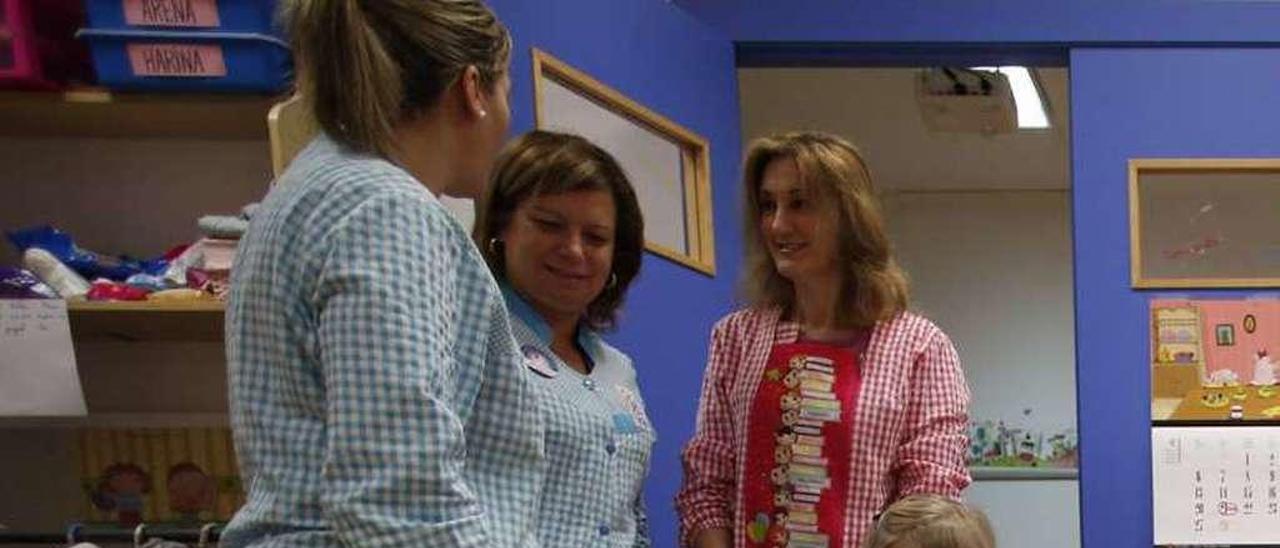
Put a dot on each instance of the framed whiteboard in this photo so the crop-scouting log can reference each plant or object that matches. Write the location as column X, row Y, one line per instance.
column 1216, row 485
column 1204, row 222
column 669, row 166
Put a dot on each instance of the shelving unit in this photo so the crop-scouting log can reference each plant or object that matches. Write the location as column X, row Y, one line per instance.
column 124, row 173
column 98, row 113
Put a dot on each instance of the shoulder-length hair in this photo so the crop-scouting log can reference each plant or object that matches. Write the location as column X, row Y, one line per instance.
column 874, row 287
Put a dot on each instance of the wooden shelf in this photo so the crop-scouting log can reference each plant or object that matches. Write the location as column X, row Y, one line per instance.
column 199, row 321
column 104, row 114
column 122, row 420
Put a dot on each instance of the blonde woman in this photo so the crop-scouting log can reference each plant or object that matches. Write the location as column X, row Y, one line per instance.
column 824, row 400
column 376, row 396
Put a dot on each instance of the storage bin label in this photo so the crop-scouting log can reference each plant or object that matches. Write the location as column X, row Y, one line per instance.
column 172, row 13
column 179, row 60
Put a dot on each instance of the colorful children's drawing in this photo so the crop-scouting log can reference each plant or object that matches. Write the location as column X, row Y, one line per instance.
column 191, row 491
column 178, row 476
column 121, row 490
column 993, row 443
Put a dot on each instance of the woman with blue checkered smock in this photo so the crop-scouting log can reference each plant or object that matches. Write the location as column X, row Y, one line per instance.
column 562, row 231
column 377, row 396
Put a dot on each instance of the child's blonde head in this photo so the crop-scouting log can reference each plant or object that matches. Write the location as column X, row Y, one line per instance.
column 931, row 521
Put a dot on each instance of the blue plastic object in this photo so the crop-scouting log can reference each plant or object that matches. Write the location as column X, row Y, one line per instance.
column 173, row 61
column 252, row 16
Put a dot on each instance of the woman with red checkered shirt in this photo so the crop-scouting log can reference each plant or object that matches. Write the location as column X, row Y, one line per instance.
column 824, row 400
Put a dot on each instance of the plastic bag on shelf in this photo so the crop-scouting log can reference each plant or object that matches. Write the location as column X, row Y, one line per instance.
column 16, row 283
column 87, row 263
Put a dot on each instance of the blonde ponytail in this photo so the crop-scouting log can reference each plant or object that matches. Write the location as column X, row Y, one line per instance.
column 367, row 65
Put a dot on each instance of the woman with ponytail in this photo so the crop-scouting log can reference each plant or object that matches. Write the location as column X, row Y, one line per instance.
column 376, row 394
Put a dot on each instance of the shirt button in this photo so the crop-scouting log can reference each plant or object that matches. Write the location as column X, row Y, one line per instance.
column 590, row 384
column 604, row 530
column 611, row 448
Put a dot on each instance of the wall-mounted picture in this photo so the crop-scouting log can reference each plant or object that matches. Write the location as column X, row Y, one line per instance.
column 1204, row 222
column 1250, row 323
column 669, row 165
column 1226, row 334
column 1230, row 376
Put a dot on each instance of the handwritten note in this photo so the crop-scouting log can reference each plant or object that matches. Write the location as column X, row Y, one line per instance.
column 37, row 363
column 1216, row 485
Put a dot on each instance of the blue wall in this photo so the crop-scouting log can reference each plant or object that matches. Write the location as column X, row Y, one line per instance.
column 1137, row 98
column 1129, row 103
column 658, row 55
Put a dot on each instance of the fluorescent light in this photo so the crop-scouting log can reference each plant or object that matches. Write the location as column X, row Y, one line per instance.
column 1031, row 111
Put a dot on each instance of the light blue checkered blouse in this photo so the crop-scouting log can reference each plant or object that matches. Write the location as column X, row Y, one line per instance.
column 377, row 395
column 599, row 439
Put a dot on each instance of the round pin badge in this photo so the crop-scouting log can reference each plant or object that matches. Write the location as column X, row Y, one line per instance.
column 537, row 361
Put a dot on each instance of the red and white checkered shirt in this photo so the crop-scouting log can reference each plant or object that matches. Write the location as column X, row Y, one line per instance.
column 912, row 419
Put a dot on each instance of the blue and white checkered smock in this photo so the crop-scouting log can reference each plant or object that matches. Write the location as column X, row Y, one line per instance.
column 599, row 439
column 377, row 395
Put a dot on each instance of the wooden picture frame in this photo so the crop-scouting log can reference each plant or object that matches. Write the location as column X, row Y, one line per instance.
column 669, row 165
column 1204, row 223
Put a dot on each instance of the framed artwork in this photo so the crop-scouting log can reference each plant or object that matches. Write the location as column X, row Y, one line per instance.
column 1225, row 334
column 669, row 165
column 1204, row 223
column 1250, row 323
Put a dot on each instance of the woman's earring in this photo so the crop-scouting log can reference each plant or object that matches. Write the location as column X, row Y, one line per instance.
column 483, row 113
column 613, row 280
column 493, row 245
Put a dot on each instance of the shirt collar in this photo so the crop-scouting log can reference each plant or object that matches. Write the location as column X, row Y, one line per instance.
column 588, row 340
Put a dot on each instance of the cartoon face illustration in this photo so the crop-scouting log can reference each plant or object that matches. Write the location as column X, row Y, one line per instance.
column 190, row 490
column 779, row 475
column 791, row 400
column 121, row 489
column 792, row 379
column 786, row 436
column 790, row 417
column 796, row 362
column 782, row 498
column 782, row 454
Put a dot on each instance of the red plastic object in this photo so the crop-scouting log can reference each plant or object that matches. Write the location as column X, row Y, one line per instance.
column 106, row 290
column 38, row 49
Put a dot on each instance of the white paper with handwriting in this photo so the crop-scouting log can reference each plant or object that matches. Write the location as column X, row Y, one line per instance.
column 37, row 362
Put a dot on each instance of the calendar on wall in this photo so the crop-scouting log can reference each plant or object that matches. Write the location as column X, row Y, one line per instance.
column 1216, row 485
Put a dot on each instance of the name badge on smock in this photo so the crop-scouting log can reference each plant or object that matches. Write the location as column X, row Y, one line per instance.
column 537, row 361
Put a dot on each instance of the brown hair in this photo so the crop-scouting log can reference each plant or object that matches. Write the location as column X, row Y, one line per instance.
column 367, row 65
column 874, row 288
column 544, row 162
column 931, row 521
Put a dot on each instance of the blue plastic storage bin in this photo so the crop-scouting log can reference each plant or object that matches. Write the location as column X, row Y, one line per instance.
column 209, row 15
column 189, row 61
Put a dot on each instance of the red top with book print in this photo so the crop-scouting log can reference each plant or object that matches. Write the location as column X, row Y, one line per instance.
column 799, row 441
